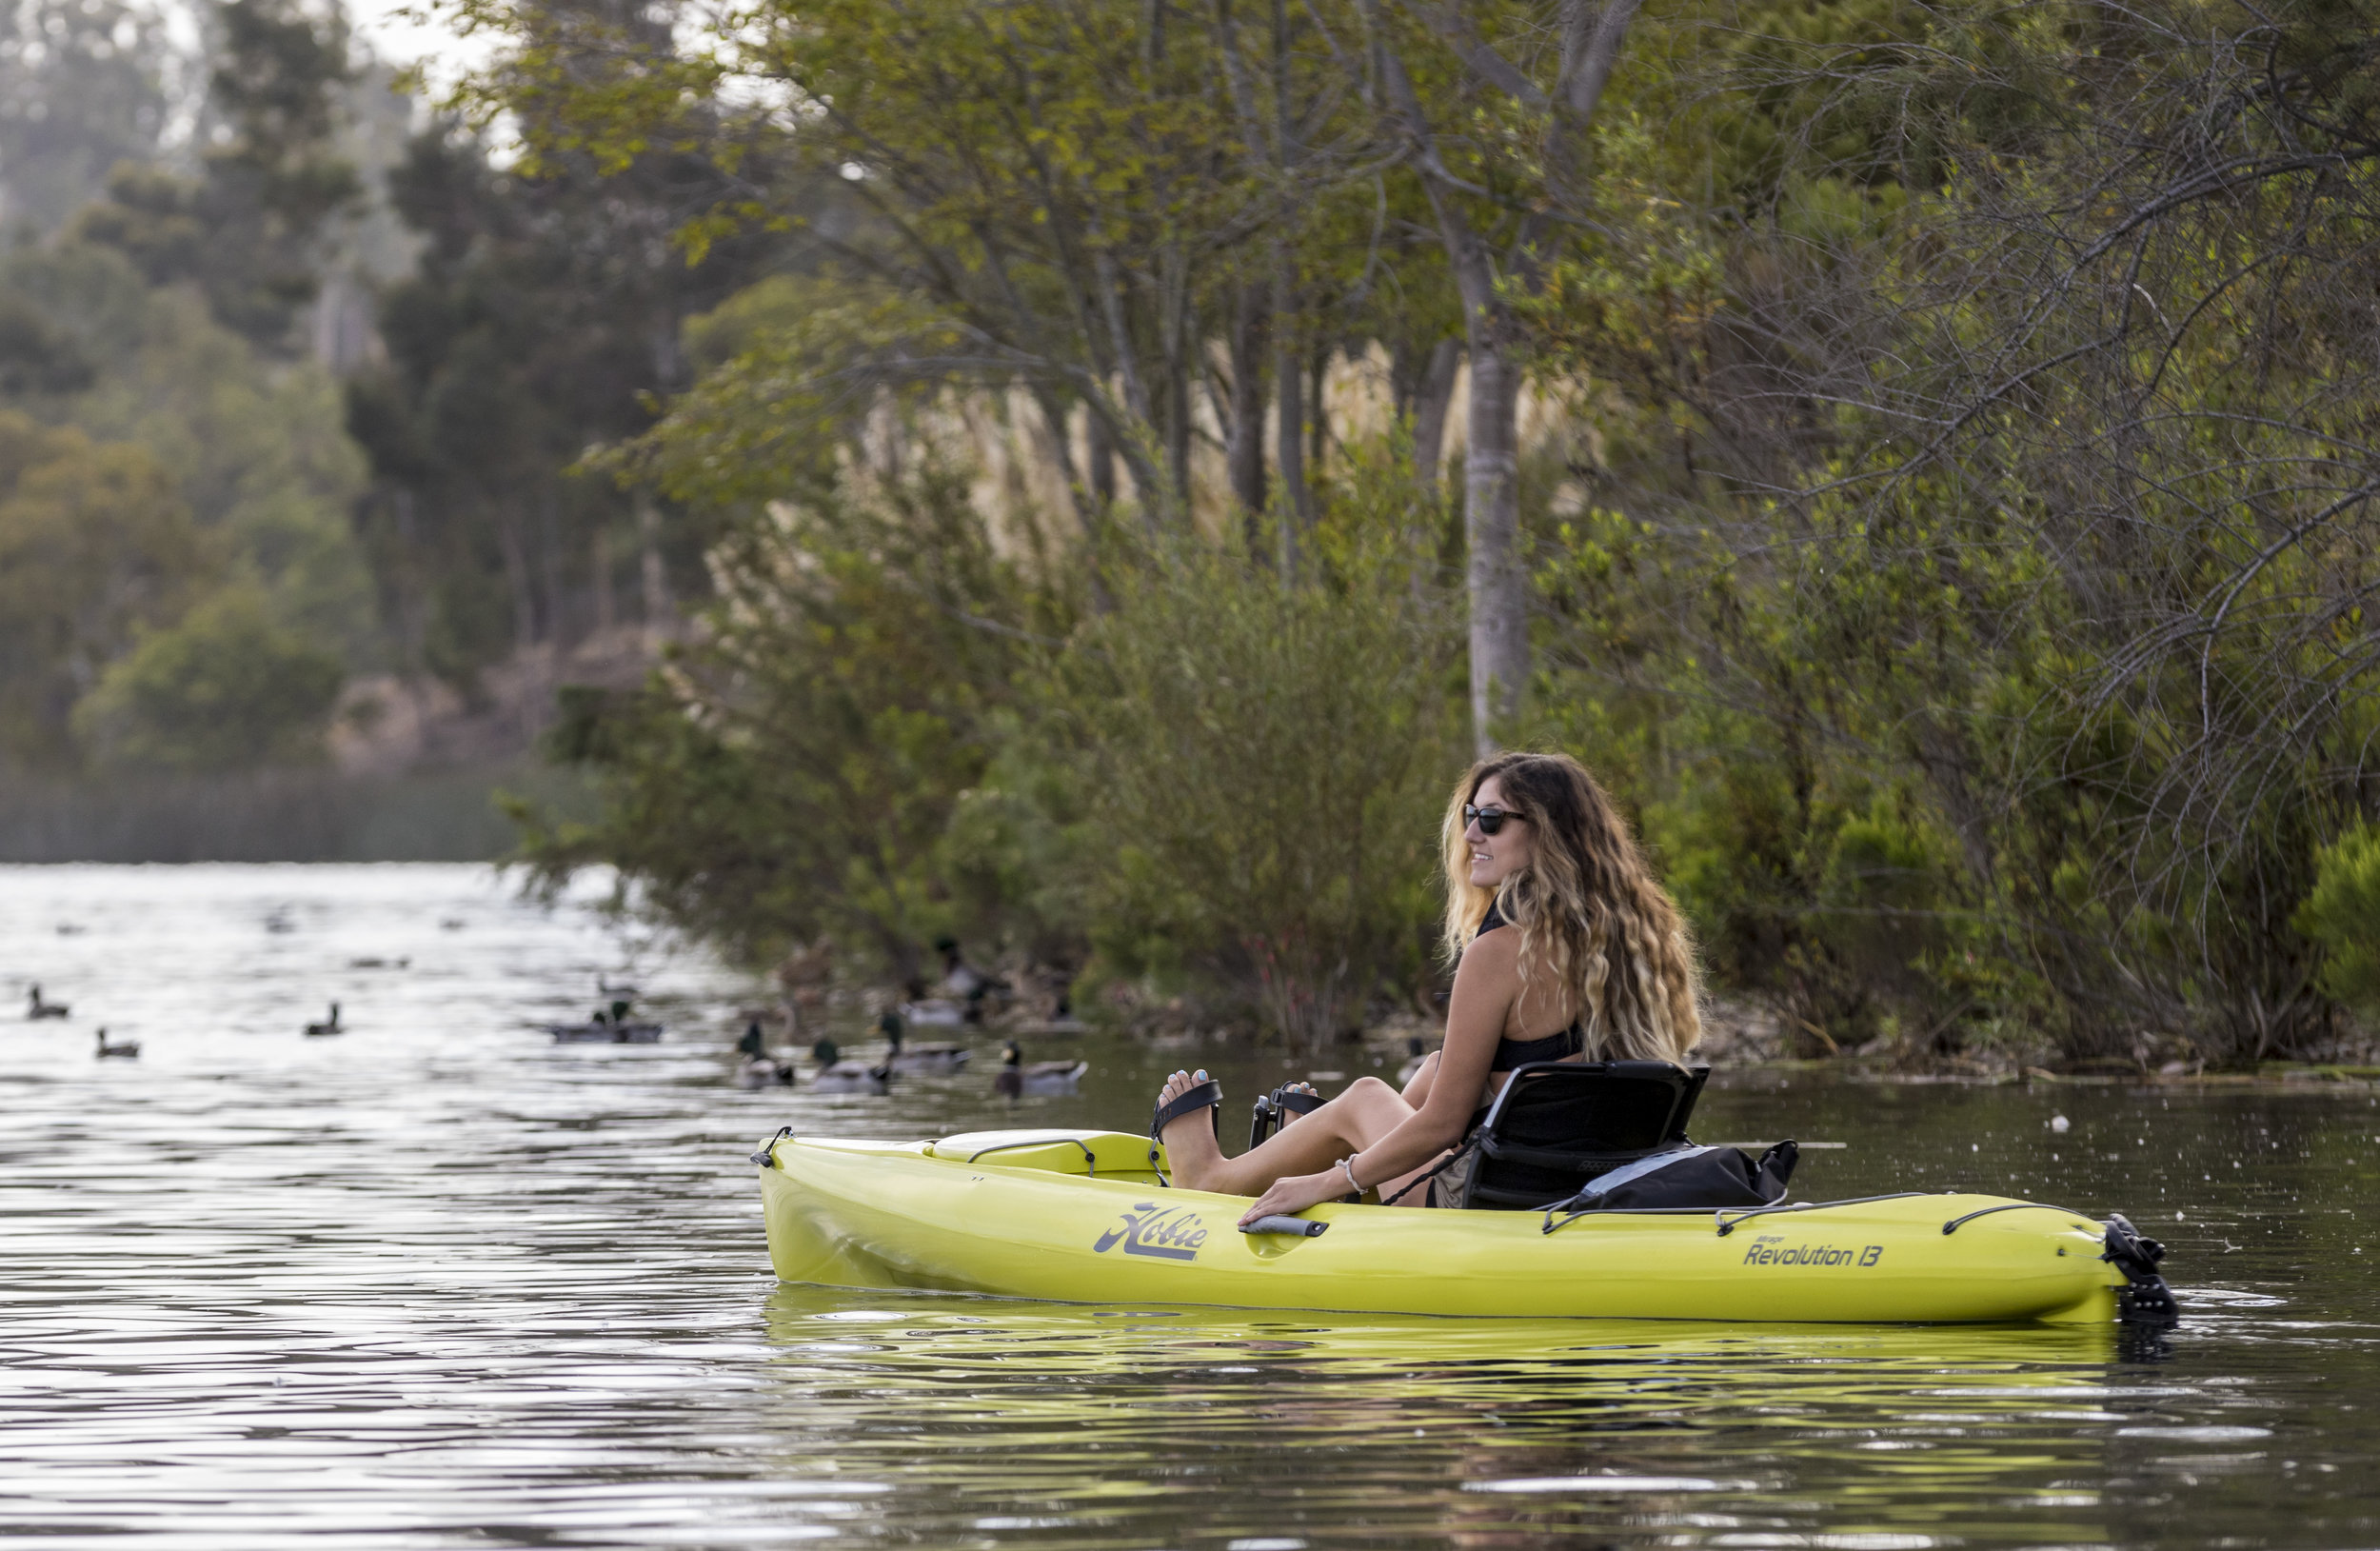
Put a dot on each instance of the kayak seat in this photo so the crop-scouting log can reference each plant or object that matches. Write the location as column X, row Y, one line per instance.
column 1558, row 1123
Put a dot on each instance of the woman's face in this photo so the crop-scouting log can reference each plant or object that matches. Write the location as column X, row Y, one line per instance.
column 1496, row 857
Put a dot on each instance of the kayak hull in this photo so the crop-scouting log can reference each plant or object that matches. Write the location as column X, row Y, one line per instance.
column 1077, row 1216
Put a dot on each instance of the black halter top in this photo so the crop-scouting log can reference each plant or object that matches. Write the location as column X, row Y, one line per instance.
column 1511, row 1054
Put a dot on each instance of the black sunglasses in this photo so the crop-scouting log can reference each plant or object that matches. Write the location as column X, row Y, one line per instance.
column 1489, row 819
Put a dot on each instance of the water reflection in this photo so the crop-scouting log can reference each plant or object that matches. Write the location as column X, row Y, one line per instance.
column 438, row 1283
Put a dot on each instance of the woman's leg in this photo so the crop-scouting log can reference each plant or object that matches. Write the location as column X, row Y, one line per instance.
column 1418, row 1091
column 1366, row 1112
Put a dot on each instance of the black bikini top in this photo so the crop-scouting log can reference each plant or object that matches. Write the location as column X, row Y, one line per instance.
column 1511, row 1054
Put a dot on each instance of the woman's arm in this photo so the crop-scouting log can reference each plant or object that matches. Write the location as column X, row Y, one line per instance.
column 1485, row 984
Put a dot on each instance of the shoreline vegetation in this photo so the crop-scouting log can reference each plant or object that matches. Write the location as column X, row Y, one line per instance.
column 1080, row 489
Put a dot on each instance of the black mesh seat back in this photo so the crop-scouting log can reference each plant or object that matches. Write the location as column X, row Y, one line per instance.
column 1558, row 1124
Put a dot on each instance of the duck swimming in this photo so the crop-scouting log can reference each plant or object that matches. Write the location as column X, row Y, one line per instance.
column 609, row 1026
column 852, row 1077
column 760, row 1069
column 315, row 1031
column 919, row 1058
column 1044, row 1079
column 36, row 1010
column 125, row 1048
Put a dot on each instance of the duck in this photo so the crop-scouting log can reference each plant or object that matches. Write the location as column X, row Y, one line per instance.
column 971, row 985
column 331, row 1026
column 1044, row 1079
column 36, row 1010
column 919, row 1058
column 608, row 1025
column 853, row 1077
column 128, row 1049
column 760, row 1069
column 1416, row 1055
column 935, row 1012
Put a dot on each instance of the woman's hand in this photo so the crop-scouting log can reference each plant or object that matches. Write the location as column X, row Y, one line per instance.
column 1295, row 1193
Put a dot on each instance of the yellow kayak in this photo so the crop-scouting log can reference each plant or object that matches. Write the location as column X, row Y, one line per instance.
column 1079, row 1216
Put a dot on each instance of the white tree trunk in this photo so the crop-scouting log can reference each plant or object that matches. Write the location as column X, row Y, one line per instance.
column 1499, row 580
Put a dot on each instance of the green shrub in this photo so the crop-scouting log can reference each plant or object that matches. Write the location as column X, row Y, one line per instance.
column 2343, row 915
column 1261, row 766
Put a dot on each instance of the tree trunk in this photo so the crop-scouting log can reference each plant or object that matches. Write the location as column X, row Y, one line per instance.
column 517, row 580
column 1243, row 447
column 549, row 567
column 1591, row 38
column 1099, row 452
column 606, row 604
column 661, row 614
column 1432, row 399
column 1498, row 583
column 1433, row 396
column 1289, row 426
column 1318, row 416
column 1181, row 343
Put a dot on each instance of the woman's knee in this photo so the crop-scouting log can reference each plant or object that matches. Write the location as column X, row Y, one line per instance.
column 1370, row 1097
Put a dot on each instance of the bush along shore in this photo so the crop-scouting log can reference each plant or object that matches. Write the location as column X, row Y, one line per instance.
column 1159, row 453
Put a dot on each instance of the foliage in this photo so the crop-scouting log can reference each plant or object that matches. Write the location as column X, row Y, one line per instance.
column 84, row 86
column 2342, row 913
column 1958, row 558
column 257, row 451
column 93, row 545
column 225, row 688
column 793, row 772
column 245, row 229
column 1261, row 766
column 539, row 320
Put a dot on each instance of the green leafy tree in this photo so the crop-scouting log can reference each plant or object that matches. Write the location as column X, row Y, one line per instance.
column 248, row 229
column 258, row 451
column 542, row 319
column 223, row 688
column 93, row 545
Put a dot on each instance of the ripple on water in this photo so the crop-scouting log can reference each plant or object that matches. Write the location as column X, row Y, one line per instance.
column 440, row 1283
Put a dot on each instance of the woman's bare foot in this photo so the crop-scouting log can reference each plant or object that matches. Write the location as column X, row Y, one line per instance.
column 1190, row 1144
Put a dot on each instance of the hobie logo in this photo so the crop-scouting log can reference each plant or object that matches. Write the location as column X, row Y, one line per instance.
column 1174, row 1235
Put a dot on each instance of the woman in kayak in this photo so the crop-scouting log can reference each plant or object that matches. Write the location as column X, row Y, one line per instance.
column 1597, row 966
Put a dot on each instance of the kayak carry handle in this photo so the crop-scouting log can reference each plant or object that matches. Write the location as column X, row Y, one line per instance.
column 1302, row 1227
column 767, row 1157
column 1090, row 1158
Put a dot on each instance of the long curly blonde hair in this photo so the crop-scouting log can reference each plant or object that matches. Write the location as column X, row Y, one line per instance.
column 1587, row 908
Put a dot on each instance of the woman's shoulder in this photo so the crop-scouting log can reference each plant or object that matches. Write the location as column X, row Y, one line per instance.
column 1491, row 951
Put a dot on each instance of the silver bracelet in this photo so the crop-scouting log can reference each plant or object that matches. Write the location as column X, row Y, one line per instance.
column 1347, row 1166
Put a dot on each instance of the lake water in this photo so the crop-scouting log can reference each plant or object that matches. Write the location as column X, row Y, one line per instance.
column 440, row 1283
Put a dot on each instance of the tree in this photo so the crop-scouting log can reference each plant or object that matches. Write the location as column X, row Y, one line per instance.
column 83, row 86
column 255, row 449
column 1503, row 216
column 223, row 688
column 248, row 229
column 542, row 319
column 93, row 545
